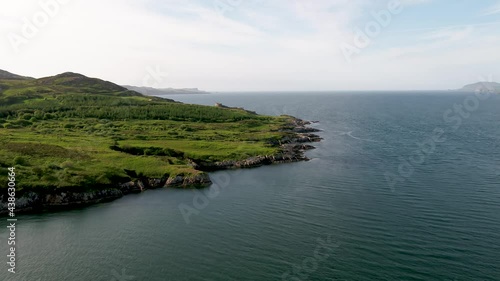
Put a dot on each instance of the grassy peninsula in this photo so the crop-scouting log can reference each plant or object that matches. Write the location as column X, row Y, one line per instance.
column 73, row 133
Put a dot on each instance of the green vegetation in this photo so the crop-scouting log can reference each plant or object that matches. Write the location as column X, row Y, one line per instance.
column 71, row 131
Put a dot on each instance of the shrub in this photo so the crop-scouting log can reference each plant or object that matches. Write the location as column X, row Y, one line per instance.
column 49, row 178
column 21, row 161
column 53, row 166
column 67, row 165
column 38, row 171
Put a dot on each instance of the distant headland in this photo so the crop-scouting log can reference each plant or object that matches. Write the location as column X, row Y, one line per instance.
column 482, row 86
column 150, row 91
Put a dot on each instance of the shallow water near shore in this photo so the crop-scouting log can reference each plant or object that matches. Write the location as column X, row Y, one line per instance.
column 441, row 223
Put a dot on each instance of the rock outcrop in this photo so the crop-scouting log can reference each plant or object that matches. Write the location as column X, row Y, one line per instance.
column 40, row 201
column 33, row 201
column 292, row 147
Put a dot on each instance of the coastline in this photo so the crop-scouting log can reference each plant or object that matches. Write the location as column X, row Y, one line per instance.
column 291, row 149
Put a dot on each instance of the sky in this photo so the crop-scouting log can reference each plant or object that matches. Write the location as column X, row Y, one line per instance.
column 256, row 45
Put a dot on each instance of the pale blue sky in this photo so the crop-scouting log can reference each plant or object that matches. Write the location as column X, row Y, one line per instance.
column 225, row 45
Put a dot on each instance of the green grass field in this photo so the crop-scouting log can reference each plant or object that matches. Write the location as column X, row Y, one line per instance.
column 70, row 131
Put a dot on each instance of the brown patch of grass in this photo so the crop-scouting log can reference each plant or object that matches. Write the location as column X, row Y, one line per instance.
column 43, row 150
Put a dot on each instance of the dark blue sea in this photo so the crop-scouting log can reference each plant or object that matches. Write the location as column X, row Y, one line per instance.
column 404, row 186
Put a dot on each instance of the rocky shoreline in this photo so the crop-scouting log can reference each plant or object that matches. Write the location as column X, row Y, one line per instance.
column 292, row 149
column 65, row 199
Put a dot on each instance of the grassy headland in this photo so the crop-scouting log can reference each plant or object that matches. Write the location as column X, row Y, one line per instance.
column 71, row 132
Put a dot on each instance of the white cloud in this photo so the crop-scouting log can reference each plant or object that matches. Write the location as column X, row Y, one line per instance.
column 495, row 9
column 450, row 33
column 267, row 45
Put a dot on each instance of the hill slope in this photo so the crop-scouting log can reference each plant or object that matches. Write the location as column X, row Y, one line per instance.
column 7, row 75
column 78, row 81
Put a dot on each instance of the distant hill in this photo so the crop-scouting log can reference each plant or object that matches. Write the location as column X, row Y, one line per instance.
column 483, row 86
column 75, row 80
column 7, row 75
column 15, row 88
column 166, row 91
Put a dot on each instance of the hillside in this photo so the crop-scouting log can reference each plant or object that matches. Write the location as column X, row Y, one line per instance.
column 72, row 132
column 166, row 91
column 7, row 75
column 483, row 86
column 80, row 82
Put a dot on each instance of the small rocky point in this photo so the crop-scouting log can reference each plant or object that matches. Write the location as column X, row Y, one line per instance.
column 292, row 147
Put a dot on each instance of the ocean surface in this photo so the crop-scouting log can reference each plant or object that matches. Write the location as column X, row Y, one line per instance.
column 404, row 186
